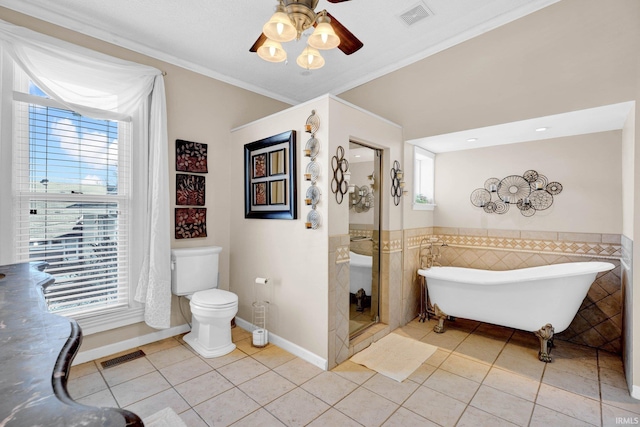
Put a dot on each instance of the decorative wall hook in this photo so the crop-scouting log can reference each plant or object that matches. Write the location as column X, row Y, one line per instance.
column 340, row 180
column 530, row 192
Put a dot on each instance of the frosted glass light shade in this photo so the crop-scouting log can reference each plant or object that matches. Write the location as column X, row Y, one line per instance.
column 272, row 51
column 310, row 59
column 279, row 28
column 324, row 37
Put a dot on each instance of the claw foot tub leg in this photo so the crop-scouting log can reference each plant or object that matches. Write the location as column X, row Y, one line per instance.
column 545, row 335
column 440, row 315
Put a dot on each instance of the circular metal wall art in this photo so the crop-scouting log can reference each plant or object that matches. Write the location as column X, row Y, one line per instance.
column 313, row 195
column 480, row 197
column 530, row 175
column 492, row 184
column 490, row 207
column 540, row 183
column 312, row 147
column 313, row 171
column 554, row 188
column 502, row 207
column 313, row 123
column 530, row 192
column 513, row 188
column 541, row 200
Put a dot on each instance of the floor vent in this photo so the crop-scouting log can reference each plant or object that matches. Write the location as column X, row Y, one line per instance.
column 122, row 359
column 415, row 14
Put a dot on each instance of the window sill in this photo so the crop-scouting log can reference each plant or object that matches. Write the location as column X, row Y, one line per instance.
column 423, row 206
column 106, row 321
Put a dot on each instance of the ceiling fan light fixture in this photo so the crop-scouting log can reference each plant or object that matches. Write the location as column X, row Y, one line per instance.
column 279, row 27
column 324, row 37
column 310, row 59
column 272, row 51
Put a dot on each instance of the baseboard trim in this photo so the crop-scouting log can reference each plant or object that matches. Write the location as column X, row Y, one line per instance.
column 99, row 352
column 635, row 392
column 292, row 348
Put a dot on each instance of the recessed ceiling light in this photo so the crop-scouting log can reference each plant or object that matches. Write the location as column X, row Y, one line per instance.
column 472, row 139
column 542, row 129
column 356, row 155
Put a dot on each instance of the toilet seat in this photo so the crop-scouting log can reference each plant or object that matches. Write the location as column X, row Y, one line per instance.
column 215, row 298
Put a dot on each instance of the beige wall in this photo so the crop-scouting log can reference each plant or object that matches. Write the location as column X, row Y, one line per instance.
column 198, row 109
column 569, row 56
column 587, row 166
column 295, row 258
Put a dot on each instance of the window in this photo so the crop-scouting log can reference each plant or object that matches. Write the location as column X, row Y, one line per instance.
column 71, row 202
column 424, row 173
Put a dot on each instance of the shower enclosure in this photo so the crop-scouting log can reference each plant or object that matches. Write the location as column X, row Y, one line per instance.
column 364, row 230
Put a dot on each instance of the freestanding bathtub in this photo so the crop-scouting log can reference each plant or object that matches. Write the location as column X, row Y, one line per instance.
column 542, row 300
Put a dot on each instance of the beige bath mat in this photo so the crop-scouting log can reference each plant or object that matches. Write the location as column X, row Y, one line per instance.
column 394, row 356
column 164, row 418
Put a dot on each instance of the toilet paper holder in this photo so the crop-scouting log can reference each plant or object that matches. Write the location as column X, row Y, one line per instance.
column 259, row 313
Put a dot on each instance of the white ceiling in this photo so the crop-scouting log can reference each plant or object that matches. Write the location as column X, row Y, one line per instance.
column 213, row 37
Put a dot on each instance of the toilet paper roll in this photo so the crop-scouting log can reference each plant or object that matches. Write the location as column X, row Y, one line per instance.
column 260, row 337
column 262, row 280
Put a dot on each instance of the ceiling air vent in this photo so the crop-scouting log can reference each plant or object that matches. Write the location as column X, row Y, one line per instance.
column 417, row 13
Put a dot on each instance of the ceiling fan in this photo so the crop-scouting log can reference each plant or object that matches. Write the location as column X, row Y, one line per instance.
column 291, row 19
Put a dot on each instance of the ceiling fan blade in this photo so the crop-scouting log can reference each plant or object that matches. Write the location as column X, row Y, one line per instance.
column 348, row 42
column 258, row 43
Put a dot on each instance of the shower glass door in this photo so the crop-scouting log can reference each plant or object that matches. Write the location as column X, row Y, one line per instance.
column 364, row 230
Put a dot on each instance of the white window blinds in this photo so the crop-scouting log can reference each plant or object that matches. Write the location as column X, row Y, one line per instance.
column 71, row 210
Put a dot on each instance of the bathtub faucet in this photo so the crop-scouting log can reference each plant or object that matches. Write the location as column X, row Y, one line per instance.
column 430, row 252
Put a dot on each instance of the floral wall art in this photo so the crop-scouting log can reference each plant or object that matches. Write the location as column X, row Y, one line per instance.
column 190, row 190
column 191, row 156
column 190, row 222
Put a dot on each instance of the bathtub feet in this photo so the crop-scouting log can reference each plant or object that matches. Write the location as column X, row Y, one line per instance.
column 440, row 315
column 360, row 299
column 545, row 335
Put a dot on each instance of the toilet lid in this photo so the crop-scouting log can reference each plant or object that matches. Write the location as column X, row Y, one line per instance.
column 214, row 298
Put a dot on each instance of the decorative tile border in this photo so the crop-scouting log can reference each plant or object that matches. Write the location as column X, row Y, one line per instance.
column 588, row 249
column 391, row 246
column 342, row 254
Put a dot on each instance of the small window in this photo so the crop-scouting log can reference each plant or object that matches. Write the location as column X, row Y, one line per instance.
column 424, row 179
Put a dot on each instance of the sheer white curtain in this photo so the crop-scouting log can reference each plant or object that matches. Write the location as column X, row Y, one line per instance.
column 86, row 81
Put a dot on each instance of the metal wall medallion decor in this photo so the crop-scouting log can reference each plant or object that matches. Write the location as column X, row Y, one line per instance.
column 530, row 193
column 340, row 167
column 312, row 172
column 397, row 184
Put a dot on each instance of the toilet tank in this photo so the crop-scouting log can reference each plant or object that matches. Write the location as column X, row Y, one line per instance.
column 194, row 269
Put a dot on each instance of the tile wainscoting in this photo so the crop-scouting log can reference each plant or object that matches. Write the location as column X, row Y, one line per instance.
column 598, row 322
column 391, row 302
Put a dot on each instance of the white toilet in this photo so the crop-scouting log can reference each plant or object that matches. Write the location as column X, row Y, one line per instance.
column 194, row 274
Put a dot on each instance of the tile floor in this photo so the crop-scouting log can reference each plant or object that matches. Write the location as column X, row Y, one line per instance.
column 481, row 375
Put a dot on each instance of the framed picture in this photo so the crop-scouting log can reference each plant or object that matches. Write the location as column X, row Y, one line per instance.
column 190, row 190
column 270, row 177
column 191, row 156
column 191, row 223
